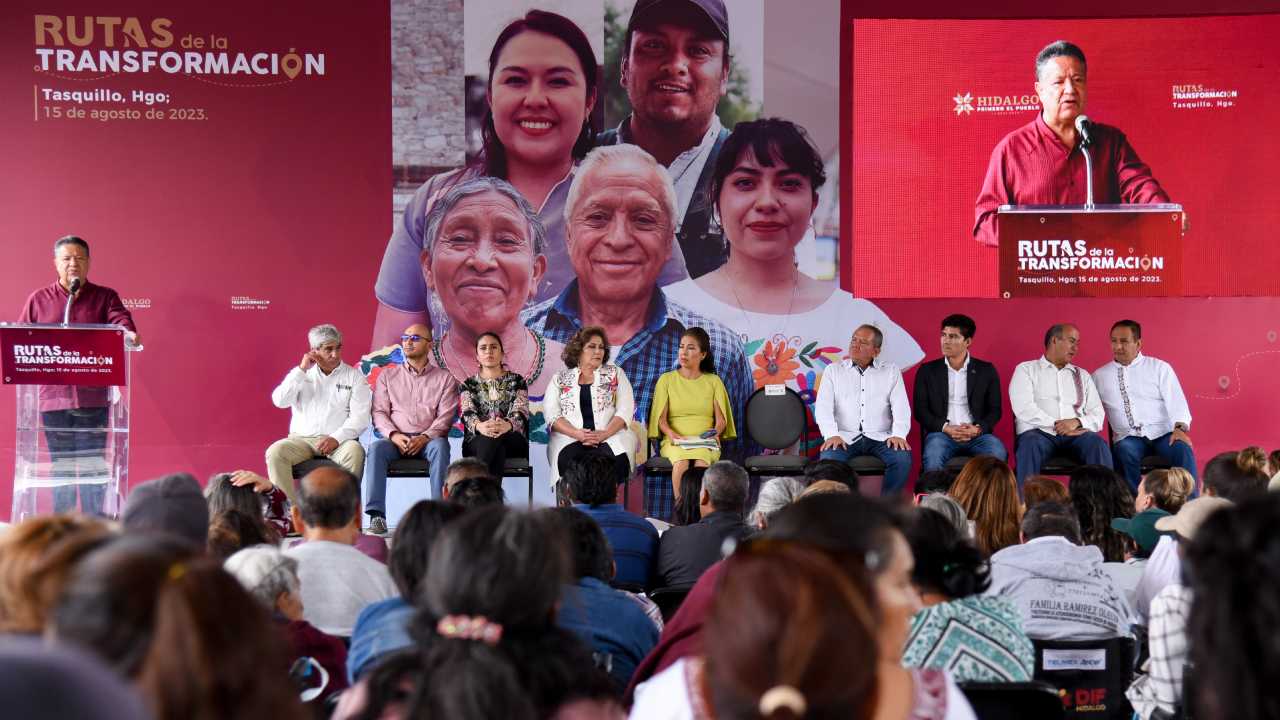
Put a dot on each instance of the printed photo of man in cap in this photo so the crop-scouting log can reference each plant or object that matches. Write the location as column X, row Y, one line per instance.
column 674, row 66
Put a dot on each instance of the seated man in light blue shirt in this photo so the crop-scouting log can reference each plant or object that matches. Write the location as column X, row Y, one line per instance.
column 862, row 409
column 592, row 488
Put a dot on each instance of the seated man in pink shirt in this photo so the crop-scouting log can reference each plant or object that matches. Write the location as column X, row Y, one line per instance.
column 414, row 406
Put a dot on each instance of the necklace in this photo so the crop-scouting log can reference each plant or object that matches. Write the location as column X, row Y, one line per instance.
column 438, row 354
column 771, row 360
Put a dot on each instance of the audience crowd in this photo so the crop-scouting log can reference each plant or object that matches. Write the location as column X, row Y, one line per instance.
column 814, row 601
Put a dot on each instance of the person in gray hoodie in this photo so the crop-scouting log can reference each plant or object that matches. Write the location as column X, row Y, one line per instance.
column 1060, row 586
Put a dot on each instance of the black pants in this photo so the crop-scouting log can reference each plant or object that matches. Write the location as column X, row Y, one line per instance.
column 573, row 451
column 495, row 451
column 76, row 435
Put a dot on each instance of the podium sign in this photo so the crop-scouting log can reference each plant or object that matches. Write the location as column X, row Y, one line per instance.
column 1103, row 251
column 71, row 385
column 32, row 355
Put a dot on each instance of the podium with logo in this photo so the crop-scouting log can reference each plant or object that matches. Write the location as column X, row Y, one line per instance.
column 72, row 388
column 1090, row 250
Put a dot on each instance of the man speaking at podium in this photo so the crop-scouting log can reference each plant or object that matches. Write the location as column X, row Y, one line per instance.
column 1040, row 162
column 76, row 410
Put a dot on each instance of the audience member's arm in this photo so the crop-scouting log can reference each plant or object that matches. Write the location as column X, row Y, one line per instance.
column 1168, row 642
column 1022, row 399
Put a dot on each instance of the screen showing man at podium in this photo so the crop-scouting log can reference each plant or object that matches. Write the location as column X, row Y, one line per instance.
column 949, row 112
column 1043, row 162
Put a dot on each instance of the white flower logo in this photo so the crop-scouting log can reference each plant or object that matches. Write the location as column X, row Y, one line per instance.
column 964, row 103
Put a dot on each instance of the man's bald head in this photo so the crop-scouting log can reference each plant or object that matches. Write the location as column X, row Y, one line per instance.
column 329, row 497
column 415, row 343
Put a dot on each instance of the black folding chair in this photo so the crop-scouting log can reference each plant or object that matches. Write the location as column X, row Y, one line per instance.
column 1092, row 675
column 668, row 599
column 776, row 422
column 1032, row 700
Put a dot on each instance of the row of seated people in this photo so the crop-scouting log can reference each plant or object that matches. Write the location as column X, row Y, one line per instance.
column 828, row 605
column 861, row 408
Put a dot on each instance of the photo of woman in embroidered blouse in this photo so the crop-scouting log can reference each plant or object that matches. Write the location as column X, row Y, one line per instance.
column 495, row 409
column 588, row 405
column 765, row 189
column 690, row 409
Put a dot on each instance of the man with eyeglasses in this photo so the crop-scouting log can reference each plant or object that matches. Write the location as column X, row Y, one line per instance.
column 862, row 409
column 414, row 405
column 330, row 403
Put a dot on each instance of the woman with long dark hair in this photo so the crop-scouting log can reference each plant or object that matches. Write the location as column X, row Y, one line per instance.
column 690, row 410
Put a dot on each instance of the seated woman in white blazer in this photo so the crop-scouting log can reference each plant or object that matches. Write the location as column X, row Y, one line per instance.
column 588, row 407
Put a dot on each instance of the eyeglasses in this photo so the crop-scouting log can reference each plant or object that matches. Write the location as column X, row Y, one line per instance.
column 414, row 338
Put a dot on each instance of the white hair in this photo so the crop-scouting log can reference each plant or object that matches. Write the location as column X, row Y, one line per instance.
column 265, row 572
column 775, row 495
column 607, row 154
column 321, row 334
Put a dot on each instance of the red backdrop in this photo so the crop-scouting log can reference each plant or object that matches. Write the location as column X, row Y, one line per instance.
column 280, row 196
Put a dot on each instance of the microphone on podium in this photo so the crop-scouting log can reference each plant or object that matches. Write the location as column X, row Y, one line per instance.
column 71, row 297
column 1084, row 126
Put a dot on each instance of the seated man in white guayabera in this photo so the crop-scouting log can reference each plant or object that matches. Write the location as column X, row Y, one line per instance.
column 330, row 402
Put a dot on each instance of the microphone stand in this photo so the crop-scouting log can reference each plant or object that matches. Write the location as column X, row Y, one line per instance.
column 1088, row 174
column 71, row 297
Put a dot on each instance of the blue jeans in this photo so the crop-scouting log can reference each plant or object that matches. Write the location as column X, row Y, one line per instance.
column 1130, row 451
column 897, row 463
column 939, row 448
column 382, row 452
column 1035, row 446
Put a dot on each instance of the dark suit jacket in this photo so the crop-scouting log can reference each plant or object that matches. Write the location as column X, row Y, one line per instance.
column 929, row 403
column 686, row 551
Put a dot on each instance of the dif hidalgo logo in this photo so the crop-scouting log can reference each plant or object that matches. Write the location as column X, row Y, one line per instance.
column 967, row 104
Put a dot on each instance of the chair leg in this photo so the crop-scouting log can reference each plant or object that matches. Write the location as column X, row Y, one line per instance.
column 530, row 489
column 626, row 491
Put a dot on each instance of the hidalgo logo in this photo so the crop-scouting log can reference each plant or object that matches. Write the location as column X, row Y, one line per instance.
column 966, row 103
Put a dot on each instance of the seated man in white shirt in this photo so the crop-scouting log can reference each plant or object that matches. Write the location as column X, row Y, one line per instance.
column 338, row 580
column 1148, row 412
column 862, row 409
column 331, row 403
column 1056, row 406
column 1058, row 584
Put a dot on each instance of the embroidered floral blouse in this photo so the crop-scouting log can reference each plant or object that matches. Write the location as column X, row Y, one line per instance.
column 505, row 397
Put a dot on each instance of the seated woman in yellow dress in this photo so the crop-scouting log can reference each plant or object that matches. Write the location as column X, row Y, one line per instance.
column 691, row 408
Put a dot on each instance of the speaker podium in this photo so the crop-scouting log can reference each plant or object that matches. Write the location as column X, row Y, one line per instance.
column 73, row 415
column 1090, row 251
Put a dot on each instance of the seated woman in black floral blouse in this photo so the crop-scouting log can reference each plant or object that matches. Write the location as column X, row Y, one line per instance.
column 495, row 409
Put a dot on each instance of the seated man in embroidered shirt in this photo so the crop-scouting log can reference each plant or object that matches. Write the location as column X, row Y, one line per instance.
column 862, row 409
column 330, row 403
column 414, row 406
column 620, row 231
column 1148, row 412
column 1056, row 407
